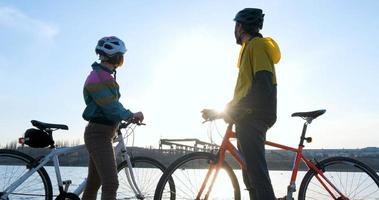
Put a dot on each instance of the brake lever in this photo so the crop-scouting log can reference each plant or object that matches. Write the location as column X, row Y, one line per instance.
column 207, row 120
column 140, row 124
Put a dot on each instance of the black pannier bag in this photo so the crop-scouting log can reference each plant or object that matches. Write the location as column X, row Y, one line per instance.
column 37, row 138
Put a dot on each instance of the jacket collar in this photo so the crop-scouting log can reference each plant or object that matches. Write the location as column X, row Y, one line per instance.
column 96, row 65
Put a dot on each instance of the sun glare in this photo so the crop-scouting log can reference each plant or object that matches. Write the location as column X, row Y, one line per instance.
column 197, row 72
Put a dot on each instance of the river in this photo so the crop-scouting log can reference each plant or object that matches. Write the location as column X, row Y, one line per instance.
column 280, row 181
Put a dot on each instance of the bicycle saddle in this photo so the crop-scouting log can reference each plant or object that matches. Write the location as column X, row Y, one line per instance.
column 312, row 114
column 43, row 125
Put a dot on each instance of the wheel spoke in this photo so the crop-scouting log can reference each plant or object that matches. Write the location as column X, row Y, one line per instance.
column 13, row 165
column 146, row 173
column 189, row 173
column 352, row 178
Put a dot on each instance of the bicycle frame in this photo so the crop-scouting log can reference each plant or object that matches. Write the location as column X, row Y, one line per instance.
column 226, row 145
column 120, row 149
column 52, row 156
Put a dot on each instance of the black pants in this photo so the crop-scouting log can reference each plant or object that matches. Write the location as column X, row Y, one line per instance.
column 251, row 135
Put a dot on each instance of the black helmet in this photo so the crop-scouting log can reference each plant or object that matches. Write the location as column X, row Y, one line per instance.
column 250, row 16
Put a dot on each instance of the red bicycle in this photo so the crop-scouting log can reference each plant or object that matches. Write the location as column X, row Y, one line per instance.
column 202, row 175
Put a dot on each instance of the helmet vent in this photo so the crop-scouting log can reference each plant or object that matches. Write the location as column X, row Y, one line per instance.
column 101, row 43
column 107, row 46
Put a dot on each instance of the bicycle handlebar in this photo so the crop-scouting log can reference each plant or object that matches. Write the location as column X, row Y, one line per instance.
column 126, row 123
column 210, row 119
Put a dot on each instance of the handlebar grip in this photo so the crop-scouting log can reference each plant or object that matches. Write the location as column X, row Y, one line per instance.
column 139, row 123
column 127, row 123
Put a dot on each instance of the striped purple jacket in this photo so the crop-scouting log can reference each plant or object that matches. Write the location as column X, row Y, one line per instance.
column 101, row 95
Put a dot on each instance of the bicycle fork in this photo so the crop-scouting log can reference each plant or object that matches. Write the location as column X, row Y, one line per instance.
column 212, row 173
column 129, row 172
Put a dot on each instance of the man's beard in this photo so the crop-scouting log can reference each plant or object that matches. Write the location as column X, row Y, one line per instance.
column 238, row 40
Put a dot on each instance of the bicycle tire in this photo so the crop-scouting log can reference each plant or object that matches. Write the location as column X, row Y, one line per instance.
column 147, row 172
column 188, row 173
column 353, row 178
column 14, row 164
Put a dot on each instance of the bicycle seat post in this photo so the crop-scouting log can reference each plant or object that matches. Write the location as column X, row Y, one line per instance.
column 308, row 117
column 302, row 138
column 50, row 133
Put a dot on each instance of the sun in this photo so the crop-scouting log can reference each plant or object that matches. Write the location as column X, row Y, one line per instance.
column 195, row 71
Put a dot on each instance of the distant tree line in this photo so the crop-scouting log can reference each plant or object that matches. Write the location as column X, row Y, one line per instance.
column 60, row 143
column 276, row 159
column 10, row 145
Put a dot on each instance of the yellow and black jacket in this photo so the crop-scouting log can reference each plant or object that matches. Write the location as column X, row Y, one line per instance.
column 255, row 90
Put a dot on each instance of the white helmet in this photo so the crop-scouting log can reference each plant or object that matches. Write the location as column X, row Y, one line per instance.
column 110, row 46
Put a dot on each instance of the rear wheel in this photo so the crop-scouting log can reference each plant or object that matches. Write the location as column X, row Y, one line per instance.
column 351, row 177
column 14, row 164
column 188, row 174
column 147, row 172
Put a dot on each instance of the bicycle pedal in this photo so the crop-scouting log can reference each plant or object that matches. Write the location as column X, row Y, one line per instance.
column 67, row 182
column 284, row 198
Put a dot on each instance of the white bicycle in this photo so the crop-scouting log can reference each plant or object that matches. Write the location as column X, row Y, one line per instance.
column 24, row 177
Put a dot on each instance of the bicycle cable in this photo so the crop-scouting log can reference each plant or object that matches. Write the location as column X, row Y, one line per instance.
column 218, row 131
column 209, row 132
column 213, row 125
column 133, row 134
column 130, row 132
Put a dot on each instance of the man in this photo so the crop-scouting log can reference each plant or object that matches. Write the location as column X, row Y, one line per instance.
column 253, row 107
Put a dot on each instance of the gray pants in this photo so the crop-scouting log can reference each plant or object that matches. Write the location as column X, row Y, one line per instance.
column 102, row 163
column 251, row 135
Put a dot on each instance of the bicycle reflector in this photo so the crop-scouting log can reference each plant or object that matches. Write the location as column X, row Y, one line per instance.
column 21, row 140
column 308, row 139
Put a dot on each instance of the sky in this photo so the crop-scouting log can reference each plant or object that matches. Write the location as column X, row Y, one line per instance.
column 182, row 58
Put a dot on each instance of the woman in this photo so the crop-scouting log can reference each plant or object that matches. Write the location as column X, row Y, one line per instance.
column 104, row 112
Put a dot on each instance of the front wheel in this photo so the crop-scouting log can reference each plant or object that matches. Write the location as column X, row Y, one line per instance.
column 189, row 172
column 13, row 165
column 147, row 172
column 352, row 178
